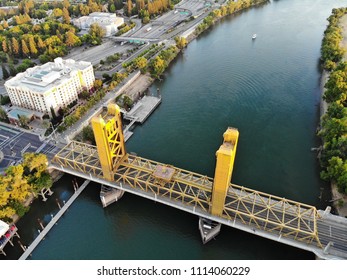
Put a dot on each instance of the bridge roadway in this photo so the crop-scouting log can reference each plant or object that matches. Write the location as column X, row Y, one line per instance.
column 258, row 213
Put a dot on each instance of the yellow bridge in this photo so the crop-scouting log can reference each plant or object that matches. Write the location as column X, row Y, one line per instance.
column 216, row 201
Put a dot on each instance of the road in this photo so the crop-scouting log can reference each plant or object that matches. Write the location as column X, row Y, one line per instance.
column 14, row 142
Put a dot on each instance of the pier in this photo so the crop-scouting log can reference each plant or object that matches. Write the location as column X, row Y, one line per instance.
column 143, row 109
column 54, row 220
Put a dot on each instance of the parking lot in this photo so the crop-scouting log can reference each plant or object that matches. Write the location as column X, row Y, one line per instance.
column 15, row 142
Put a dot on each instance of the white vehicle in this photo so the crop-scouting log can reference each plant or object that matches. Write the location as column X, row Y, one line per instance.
column 148, row 29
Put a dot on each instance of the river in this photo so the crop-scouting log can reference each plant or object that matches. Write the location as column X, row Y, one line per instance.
column 269, row 88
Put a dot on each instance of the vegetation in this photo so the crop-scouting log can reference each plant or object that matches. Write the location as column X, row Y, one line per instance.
column 88, row 135
column 331, row 50
column 124, row 28
column 161, row 61
column 25, row 38
column 147, row 9
column 227, row 9
column 333, row 158
column 20, row 181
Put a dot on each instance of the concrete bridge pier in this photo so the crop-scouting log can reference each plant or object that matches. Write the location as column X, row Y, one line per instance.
column 208, row 229
column 109, row 195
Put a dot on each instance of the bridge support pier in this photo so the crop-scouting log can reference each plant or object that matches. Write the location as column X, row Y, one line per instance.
column 109, row 195
column 208, row 229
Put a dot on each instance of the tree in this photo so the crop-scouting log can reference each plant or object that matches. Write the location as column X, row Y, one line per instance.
column 5, row 74
column 88, row 135
column 23, row 121
column 25, row 49
column 15, row 46
column 141, row 63
column 40, row 44
column 181, row 42
column 129, row 7
column 36, row 163
column 57, row 12
column 71, row 39
column 66, row 16
column 112, row 8
column 96, row 31
column 13, row 71
column 97, row 84
column 3, row 115
column 66, row 4
column 32, row 46
column 18, row 185
column 4, row 46
column 158, row 66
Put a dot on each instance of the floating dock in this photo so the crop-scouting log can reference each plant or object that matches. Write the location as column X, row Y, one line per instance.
column 143, row 109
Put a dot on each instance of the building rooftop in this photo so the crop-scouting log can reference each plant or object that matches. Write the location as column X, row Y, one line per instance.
column 51, row 74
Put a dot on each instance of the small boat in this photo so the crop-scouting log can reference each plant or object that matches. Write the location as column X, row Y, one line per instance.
column 254, row 36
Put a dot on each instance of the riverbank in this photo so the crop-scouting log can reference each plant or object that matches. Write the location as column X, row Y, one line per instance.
column 339, row 200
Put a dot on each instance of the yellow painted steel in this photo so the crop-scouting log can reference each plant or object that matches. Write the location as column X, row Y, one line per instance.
column 258, row 210
column 224, row 168
column 109, row 140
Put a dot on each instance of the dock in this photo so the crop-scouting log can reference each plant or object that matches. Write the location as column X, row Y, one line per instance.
column 54, row 220
column 143, row 109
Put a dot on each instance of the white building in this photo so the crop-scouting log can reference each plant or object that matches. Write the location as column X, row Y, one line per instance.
column 108, row 21
column 54, row 84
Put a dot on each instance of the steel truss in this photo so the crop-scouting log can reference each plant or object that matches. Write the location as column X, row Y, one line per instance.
column 259, row 210
column 79, row 156
column 274, row 214
column 184, row 186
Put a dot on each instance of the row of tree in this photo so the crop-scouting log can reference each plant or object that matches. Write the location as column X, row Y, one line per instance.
column 147, row 8
column 333, row 132
column 331, row 50
column 20, row 181
column 229, row 8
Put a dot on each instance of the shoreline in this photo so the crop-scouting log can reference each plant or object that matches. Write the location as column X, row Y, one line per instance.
column 336, row 196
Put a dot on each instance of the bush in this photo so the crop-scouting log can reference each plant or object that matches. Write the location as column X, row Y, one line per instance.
column 18, row 207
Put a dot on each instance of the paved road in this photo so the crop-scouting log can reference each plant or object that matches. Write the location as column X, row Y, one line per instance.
column 14, row 142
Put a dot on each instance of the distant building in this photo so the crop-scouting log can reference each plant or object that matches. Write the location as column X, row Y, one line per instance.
column 52, row 85
column 108, row 21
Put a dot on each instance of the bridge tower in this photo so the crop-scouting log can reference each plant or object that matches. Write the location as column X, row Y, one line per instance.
column 109, row 140
column 224, row 168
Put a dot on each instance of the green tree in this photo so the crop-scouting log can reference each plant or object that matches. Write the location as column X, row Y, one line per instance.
column 5, row 74
column 88, row 135
column 3, row 117
column 96, row 31
column 112, row 8
column 13, row 71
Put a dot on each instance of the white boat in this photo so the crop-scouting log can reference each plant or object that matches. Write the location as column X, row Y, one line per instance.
column 254, row 36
